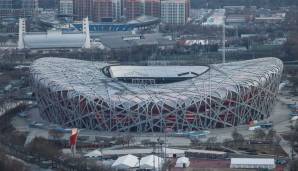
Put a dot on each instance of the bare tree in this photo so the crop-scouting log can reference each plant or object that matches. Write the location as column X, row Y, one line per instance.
column 43, row 148
column 195, row 141
column 120, row 140
column 127, row 139
column 166, row 165
column 145, row 142
column 11, row 164
column 271, row 134
column 130, row 139
column 293, row 165
column 211, row 142
column 237, row 137
column 55, row 134
column 17, row 138
column 95, row 167
column 259, row 134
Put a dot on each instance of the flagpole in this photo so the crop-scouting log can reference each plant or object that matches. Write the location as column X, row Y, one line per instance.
column 73, row 140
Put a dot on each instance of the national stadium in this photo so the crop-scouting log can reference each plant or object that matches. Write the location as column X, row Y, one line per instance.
column 99, row 96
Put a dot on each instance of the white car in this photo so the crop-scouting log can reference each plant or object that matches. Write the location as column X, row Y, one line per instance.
column 252, row 128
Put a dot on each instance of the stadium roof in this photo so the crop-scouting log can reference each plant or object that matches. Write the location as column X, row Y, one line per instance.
column 86, row 78
column 156, row 71
column 144, row 20
column 118, row 40
column 141, row 21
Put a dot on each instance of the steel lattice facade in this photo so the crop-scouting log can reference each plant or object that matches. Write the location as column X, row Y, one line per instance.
column 75, row 93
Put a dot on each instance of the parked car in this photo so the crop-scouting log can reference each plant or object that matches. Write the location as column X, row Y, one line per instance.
column 36, row 125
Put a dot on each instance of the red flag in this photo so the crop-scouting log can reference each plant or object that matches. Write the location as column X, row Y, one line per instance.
column 73, row 137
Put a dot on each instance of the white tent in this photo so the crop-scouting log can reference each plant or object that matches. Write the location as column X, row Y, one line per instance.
column 94, row 153
column 126, row 162
column 151, row 162
column 252, row 163
column 182, row 162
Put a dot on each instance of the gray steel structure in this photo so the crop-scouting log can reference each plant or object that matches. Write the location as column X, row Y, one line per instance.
column 76, row 93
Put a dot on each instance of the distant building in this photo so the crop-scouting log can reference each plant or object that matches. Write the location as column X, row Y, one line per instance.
column 143, row 22
column 253, row 163
column 66, row 7
column 234, row 8
column 30, row 4
column 233, row 49
column 97, row 10
column 133, row 8
column 23, row 8
column 175, row 11
column 82, row 9
column 217, row 19
column 53, row 39
column 6, row 4
column 102, row 10
column 152, row 8
column 108, row 10
column 237, row 19
column 117, row 9
column 30, row 7
column 48, row 4
column 270, row 19
column 7, row 13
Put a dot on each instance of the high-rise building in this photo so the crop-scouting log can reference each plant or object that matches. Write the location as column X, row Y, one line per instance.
column 6, row 4
column 66, row 7
column 30, row 4
column 96, row 10
column 152, row 8
column 107, row 10
column 117, row 9
column 102, row 10
column 133, row 8
column 18, row 8
column 82, row 9
column 48, row 4
column 175, row 11
column 30, row 7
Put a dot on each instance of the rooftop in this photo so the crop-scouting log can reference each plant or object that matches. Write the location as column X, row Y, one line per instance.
column 54, row 39
column 253, row 161
column 156, row 71
column 87, row 79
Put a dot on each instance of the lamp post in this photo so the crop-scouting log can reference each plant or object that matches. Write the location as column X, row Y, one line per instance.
column 139, row 158
column 224, row 40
